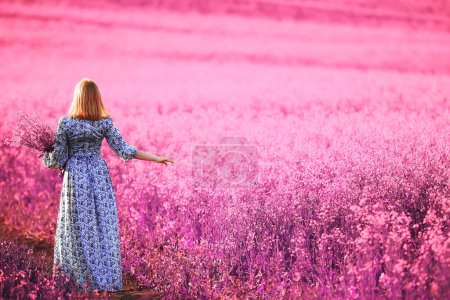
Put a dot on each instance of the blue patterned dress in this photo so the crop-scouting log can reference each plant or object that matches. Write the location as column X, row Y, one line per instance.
column 87, row 243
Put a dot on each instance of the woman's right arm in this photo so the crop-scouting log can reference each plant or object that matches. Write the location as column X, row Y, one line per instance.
column 150, row 157
column 127, row 151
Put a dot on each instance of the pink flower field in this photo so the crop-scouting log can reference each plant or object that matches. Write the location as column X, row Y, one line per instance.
column 311, row 142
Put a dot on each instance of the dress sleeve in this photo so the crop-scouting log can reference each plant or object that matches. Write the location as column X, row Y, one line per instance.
column 58, row 157
column 117, row 143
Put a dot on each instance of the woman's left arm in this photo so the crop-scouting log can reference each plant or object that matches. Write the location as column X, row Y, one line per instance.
column 58, row 157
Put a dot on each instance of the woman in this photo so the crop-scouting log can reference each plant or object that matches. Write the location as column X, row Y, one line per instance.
column 87, row 244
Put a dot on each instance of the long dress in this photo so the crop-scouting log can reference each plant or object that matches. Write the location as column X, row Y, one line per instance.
column 87, row 243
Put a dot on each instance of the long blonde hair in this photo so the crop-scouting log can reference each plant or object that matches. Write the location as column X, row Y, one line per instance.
column 87, row 102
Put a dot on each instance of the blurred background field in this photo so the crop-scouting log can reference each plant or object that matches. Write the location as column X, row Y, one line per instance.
column 347, row 103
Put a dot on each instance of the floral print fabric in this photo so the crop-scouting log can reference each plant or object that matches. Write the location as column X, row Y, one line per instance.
column 87, row 243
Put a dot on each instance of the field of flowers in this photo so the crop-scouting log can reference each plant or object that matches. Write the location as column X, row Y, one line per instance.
column 340, row 134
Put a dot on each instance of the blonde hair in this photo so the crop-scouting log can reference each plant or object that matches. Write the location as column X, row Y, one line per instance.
column 87, row 102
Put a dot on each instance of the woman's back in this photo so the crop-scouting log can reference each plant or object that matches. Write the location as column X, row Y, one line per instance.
column 83, row 138
column 85, row 135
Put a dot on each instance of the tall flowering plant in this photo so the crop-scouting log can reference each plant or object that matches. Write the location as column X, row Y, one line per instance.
column 31, row 132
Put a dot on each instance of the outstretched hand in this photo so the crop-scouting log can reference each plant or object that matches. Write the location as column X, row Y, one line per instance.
column 164, row 160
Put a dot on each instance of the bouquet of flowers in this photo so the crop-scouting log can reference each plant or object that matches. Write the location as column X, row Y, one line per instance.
column 31, row 132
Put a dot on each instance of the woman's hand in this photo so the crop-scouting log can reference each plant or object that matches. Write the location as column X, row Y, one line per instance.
column 164, row 160
column 150, row 157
